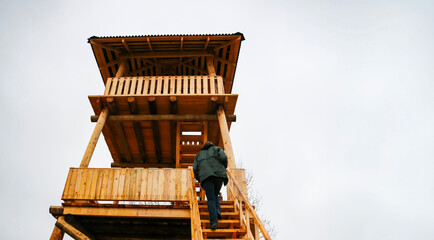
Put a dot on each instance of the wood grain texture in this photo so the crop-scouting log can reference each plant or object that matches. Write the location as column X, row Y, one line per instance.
column 127, row 184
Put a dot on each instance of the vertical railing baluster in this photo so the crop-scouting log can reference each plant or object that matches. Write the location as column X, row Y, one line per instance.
column 107, row 86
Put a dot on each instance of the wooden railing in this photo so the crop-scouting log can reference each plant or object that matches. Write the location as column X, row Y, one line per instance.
column 196, row 229
column 247, row 212
column 127, row 184
column 164, row 85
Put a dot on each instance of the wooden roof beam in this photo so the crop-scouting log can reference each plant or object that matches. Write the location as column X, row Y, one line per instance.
column 139, row 70
column 206, row 43
column 182, row 41
column 124, row 42
column 149, row 44
column 203, row 71
column 224, row 61
column 165, row 117
column 189, row 59
column 228, row 43
column 103, row 66
column 168, row 54
column 104, row 46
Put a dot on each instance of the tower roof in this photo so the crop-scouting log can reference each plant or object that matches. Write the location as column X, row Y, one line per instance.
column 156, row 55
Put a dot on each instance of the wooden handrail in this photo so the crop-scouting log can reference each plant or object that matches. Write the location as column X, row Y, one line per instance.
column 196, row 229
column 249, row 207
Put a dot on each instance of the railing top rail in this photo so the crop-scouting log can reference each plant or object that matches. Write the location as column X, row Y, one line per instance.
column 196, row 229
column 164, row 85
column 249, row 206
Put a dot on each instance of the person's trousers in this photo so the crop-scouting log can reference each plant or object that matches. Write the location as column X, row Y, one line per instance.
column 212, row 186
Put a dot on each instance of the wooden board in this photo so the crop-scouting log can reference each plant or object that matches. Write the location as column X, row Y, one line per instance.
column 127, row 184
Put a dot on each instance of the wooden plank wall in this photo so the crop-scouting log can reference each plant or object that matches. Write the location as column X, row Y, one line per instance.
column 164, row 85
column 127, row 184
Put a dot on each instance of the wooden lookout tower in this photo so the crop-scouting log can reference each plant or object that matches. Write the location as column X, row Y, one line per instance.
column 164, row 97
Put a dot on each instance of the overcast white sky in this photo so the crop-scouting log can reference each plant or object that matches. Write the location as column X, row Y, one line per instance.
column 335, row 116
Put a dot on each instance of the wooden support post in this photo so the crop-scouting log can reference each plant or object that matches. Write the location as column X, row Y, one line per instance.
column 122, row 69
column 155, row 129
column 137, row 130
column 210, row 66
column 57, row 234
column 205, row 132
column 70, row 230
column 178, row 145
column 224, row 131
column 118, row 129
column 173, row 110
column 94, row 138
column 256, row 231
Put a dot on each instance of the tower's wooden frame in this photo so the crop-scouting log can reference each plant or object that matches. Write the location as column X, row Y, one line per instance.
column 157, row 90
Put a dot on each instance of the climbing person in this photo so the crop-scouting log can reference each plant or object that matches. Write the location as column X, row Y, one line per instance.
column 209, row 168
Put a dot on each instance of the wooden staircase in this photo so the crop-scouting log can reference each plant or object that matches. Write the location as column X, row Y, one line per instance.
column 229, row 226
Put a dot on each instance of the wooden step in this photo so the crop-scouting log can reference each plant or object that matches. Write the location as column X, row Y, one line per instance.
column 183, row 161
column 204, row 215
column 186, row 165
column 222, row 207
column 221, row 221
column 223, row 232
column 192, row 138
column 221, row 203
column 190, row 149
column 187, row 157
column 192, row 127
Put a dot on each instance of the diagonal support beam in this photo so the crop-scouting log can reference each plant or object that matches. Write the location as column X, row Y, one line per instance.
column 202, row 71
column 57, row 234
column 104, row 46
column 228, row 43
column 70, row 230
column 94, row 138
column 124, row 42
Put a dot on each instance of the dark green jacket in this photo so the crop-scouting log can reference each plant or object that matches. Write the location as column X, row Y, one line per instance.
column 210, row 162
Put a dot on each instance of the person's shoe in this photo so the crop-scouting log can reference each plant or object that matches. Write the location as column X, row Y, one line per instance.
column 219, row 215
column 214, row 226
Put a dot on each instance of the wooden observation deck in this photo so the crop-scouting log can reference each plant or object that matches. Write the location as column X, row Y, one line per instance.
column 164, row 97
